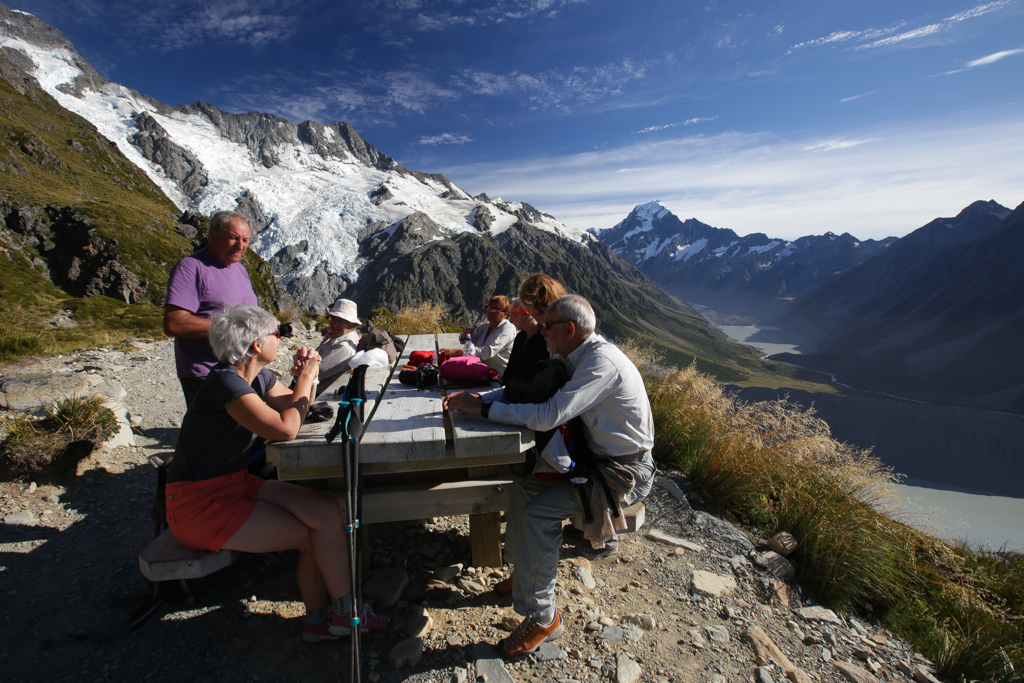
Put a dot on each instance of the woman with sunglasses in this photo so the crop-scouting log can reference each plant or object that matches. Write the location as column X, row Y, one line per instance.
column 212, row 500
column 492, row 340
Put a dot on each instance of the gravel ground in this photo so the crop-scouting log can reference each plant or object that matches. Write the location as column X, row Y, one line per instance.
column 70, row 586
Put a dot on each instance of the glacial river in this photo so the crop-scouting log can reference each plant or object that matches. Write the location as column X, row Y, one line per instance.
column 980, row 518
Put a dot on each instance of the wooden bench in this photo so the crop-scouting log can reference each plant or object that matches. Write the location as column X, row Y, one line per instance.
column 164, row 559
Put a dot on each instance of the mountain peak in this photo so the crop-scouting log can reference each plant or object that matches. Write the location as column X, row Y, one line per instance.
column 649, row 210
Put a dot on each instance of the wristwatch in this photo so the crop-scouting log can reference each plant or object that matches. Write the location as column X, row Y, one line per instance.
column 485, row 409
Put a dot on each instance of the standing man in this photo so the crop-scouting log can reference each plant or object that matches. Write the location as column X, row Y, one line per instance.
column 200, row 286
column 606, row 390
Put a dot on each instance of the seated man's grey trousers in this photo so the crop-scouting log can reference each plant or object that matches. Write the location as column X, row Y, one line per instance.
column 533, row 535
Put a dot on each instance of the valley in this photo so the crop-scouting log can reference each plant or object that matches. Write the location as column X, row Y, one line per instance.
column 964, row 474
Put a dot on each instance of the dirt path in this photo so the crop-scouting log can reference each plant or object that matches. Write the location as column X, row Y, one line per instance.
column 70, row 583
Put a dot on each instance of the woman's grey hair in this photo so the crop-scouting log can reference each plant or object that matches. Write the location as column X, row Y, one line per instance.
column 233, row 330
column 220, row 220
column 575, row 308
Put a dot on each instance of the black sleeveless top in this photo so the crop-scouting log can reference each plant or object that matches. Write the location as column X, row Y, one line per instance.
column 211, row 444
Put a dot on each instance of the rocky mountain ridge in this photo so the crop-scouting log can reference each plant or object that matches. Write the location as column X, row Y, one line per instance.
column 940, row 314
column 750, row 274
column 333, row 215
column 307, row 183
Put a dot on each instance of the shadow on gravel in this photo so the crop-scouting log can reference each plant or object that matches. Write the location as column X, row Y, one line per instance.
column 70, row 596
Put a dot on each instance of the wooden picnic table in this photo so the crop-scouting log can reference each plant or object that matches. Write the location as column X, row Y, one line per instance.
column 417, row 460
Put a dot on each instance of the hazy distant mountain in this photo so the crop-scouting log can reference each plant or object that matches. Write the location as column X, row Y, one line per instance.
column 940, row 313
column 753, row 275
column 332, row 214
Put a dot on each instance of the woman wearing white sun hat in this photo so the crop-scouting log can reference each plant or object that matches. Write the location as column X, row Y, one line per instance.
column 339, row 345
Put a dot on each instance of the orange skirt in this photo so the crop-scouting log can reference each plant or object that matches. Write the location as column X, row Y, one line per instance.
column 205, row 514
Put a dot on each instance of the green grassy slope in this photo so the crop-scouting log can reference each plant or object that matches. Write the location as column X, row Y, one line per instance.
column 82, row 227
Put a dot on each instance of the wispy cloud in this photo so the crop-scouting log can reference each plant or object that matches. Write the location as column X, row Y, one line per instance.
column 829, row 145
column 892, row 35
column 444, row 139
column 377, row 97
column 761, row 183
column 687, row 122
column 857, row 97
column 178, row 24
column 558, row 88
column 358, row 97
column 988, row 59
column 994, row 57
column 441, row 15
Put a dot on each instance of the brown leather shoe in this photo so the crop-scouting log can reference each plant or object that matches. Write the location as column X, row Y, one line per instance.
column 503, row 587
column 529, row 635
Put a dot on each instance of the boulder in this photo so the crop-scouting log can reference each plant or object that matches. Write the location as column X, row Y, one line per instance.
column 783, row 543
column 776, row 564
column 656, row 535
column 712, row 585
column 419, row 623
column 585, row 577
column 644, row 621
column 626, row 670
column 386, row 585
column 819, row 614
column 406, row 653
column 854, row 673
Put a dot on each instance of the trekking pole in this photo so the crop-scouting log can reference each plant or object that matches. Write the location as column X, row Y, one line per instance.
column 351, row 529
column 354, row 432
column 341, row 428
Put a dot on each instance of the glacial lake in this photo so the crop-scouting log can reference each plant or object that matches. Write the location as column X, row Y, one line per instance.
column 983, row 520
column 768, row 340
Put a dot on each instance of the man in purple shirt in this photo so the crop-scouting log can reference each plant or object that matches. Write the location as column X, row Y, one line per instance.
column 201, row 285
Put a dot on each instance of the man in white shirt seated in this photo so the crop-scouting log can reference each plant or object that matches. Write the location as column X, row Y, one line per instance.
column 607, row 392
column 339, row 345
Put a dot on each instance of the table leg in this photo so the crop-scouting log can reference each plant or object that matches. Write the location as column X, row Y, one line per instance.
column 485, row 528
column 485, row 539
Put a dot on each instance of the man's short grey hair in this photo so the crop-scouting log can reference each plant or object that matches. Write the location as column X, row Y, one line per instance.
column 233, row 330
column 577, row 309
column 220, row 220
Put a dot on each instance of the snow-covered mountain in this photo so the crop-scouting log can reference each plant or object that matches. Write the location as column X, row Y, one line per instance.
column 311, row 189
column 753, row 274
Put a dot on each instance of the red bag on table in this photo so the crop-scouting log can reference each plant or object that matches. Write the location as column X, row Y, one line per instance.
column 418, row 358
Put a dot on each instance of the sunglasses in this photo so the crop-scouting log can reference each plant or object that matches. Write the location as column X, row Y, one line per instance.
column 548, row 326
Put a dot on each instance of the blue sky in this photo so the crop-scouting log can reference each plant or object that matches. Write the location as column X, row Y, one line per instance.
column 790, row 118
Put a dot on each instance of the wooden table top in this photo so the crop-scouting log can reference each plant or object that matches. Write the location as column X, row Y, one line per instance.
column 406, row 429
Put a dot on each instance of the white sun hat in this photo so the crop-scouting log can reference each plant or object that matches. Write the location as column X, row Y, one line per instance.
column 344, row 309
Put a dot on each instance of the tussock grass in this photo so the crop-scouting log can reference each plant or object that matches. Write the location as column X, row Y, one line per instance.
column 425, row 318
column 72, row 428
column 775, row 466
column 102, row 321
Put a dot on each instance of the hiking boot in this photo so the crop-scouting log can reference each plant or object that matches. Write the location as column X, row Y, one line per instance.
column 529, row 636
column 318, row 632
column 341, row 625
column 503, row 587
column 571, row 532
column 585, row 549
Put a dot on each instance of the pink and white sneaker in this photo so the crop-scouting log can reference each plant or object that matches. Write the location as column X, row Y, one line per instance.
column 368, row 621
column 318, row 632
